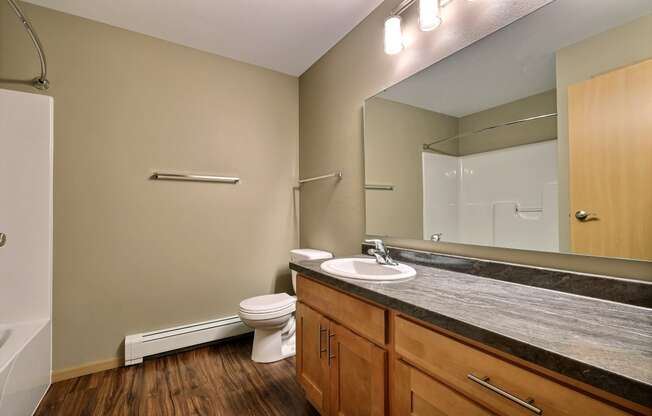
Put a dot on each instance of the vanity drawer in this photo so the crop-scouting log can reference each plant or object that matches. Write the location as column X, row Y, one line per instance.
column 417, row 394
column 465, row 368
column 361, row 317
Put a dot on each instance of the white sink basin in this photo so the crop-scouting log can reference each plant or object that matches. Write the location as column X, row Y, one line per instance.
column 367, row 269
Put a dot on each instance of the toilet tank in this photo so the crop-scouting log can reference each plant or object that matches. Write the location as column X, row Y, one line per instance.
column 299, row 254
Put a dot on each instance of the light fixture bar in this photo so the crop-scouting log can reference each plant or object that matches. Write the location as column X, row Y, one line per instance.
column 429, row 19
column 405, row 4
column 402, row 7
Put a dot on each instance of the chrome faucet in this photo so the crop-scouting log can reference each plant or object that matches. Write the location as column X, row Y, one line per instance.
column 380, row 252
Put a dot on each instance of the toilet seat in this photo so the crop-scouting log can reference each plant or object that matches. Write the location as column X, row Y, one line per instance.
column 264, row 316
column 268, row 306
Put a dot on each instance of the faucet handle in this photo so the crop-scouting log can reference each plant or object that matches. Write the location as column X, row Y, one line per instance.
column 378, row 243
column 436, row 237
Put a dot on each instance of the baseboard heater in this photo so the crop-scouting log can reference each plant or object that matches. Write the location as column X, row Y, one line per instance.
column 142, row 345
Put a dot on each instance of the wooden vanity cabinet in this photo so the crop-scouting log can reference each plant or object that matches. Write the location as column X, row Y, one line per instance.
column 489, row 380
column 357, row 358
column 342, row 372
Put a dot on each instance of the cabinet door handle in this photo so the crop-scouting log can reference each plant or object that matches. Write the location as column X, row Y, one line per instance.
column 330, row 355
column 484, row 382
column 321, row 331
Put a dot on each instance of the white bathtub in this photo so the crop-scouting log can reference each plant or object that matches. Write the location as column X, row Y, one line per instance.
column 24, row 366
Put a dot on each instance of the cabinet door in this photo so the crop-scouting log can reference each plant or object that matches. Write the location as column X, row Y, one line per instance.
column 312, row 356
column 417, row 394
column 357, row 374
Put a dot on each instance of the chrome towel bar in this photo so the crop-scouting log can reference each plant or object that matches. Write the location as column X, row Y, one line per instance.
column 194, row 177
column 337, row 175
column 379, row 187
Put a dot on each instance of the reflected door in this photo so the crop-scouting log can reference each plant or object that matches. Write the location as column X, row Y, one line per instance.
column 610, row 144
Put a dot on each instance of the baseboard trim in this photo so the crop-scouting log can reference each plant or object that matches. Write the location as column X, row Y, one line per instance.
column 86, row 369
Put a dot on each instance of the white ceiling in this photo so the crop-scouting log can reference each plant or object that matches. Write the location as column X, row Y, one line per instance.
column 283, row 35
column 515, row 62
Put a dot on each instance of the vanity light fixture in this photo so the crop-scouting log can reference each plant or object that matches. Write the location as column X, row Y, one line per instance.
column 393, row 35
column 429, row 19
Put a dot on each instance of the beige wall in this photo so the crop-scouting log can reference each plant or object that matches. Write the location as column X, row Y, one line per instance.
column 518, row 134
column 132, row 254
column 394, row 136
column 332, row 93
column 607, row 51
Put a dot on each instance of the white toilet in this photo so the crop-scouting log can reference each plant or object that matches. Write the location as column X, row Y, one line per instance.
column 272, row 316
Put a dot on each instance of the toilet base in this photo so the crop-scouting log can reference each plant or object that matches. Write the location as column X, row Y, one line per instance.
column 270, row 346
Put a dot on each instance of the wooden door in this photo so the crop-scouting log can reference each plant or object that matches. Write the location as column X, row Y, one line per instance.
column 417, row 394
column 312, row 356
column 610, row 144
column 357, row 374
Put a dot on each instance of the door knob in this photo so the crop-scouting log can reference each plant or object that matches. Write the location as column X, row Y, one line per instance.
column 582, row 215
column 3, row 239
column 436, row 237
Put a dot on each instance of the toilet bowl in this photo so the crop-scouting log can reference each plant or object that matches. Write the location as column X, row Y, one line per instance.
column 272, row 317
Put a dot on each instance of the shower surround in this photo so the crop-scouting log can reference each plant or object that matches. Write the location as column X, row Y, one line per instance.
column 504, row 198
column 26, row 255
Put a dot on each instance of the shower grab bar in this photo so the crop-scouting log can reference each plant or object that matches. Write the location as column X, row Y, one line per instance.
column 194, row 177
column 41, row 82
column 379, row 187
column 519, row 209
column 337, row 175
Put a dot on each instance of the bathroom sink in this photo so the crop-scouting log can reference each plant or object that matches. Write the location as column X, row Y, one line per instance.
column 367, row 269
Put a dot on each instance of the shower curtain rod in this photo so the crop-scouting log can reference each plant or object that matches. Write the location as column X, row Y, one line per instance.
column 41, row 82
column 427, row 146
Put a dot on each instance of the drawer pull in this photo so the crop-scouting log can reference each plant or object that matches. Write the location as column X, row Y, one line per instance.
column 321, row 331
column 330, row 356
column 484, row 382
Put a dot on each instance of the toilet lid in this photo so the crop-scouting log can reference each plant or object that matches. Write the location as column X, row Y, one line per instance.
column 267, row 303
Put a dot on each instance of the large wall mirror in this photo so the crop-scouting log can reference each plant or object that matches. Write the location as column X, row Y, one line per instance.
column 536, row 137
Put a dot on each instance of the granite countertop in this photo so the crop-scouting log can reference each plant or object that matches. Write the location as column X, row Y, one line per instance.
column 599, row 342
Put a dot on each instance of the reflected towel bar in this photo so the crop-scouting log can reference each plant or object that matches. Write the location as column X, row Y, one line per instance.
column 379, row 187
column 194, row 177
column 337, row 175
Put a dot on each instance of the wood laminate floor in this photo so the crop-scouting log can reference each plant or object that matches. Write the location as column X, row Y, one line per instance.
column 218, row 379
